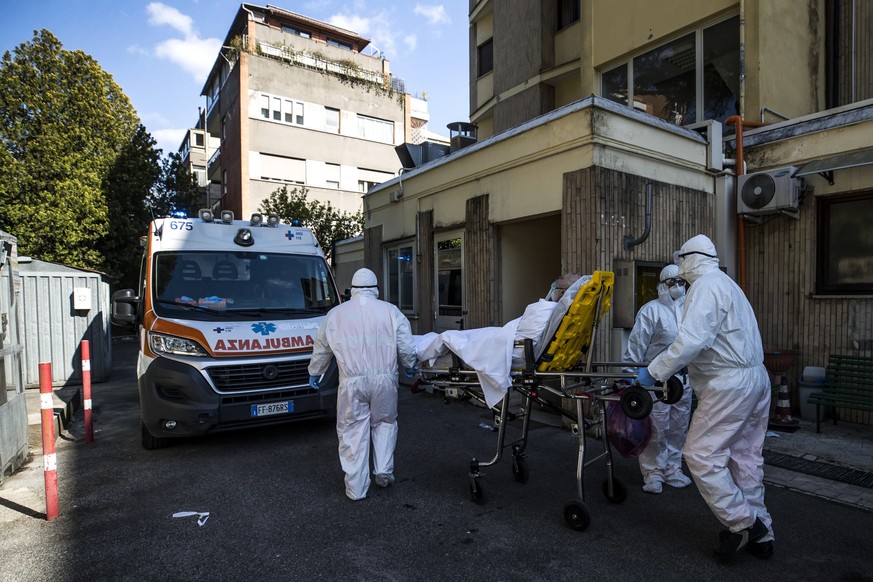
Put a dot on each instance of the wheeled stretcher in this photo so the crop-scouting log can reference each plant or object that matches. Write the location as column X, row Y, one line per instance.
column 562, row 366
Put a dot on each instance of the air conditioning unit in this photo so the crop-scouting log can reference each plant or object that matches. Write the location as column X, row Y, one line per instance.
column 771, row 192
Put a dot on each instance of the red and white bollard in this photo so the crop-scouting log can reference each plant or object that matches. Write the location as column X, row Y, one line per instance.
column 49, row 459
column 86, row 390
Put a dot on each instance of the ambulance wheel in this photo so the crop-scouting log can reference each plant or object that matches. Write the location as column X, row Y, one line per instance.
column 150, row 442
column 576, row 515
column 674, row 390
column 619, row 491
column 519, row 468
column 636, row 402
column 476, row 492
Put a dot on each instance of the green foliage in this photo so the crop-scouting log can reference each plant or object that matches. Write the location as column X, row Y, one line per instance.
column 176, row 189
column 327, row 223
column 67, row 133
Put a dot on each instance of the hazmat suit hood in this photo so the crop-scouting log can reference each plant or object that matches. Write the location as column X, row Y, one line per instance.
column 364, row 283
column 696, row 258
column 669, row 272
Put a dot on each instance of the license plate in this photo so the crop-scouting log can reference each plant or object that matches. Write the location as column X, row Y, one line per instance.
column 273, row 408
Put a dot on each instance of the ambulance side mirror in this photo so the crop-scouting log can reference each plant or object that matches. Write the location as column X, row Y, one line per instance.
column 124, row 307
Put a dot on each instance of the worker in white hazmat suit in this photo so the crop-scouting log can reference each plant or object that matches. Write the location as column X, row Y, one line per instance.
column 720, row 342
column 367, row 337
column 655, row 328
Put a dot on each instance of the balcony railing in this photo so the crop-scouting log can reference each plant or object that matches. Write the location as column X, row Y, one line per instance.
column 316, row 62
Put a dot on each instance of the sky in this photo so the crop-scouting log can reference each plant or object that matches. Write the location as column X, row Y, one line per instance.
column 160, row 53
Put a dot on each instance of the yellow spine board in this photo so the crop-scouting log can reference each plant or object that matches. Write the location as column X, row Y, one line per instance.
column 573, row 338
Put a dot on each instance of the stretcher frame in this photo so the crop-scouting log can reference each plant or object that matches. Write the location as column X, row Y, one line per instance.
column 560, row 370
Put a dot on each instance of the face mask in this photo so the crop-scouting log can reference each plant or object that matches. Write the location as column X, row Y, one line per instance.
column 677, row 292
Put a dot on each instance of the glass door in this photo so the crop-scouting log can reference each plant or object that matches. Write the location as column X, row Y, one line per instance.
column 449, row 281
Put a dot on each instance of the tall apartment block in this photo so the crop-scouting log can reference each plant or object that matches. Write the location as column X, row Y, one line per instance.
column 292, row 101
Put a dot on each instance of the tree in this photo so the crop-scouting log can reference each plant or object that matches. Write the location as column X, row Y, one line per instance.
column 327, row 223
column 176, row 190
column 73, row 154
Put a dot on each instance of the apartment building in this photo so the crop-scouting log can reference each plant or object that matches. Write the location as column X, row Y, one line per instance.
column 292, row 101
column 611, row 132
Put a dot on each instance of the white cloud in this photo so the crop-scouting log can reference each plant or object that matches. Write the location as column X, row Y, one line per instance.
column 376, row 27
column 195, row 56
column 168, row 140
column 435, row 13
column 411, row 41
column 160, row 14
column 192, row 54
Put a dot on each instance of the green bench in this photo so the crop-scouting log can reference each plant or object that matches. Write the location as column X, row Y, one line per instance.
column 848, row 384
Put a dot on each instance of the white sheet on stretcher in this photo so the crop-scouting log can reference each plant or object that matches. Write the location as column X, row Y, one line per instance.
column 489, row 350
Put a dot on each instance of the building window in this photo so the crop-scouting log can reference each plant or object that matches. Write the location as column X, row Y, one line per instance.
column 568, row 12
column 198, row 139
column 332, row 176
column 338, row 44
column 485, row 57
column 364, row 186
column 200, row 175
column 296, row 31
column 282, row 169
column 400, row 277
column 844, row 245
column 277, row 109
column 690, row 79
column 375, row 129
column 849, row 60
column 265, row 106
column 331, row 120
column 298, row 113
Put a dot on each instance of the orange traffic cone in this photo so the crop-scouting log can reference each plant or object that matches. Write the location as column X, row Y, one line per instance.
column 783, row 417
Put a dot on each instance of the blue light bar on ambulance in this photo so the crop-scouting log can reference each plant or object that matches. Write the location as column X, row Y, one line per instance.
column 296, row 222
column 179, row 214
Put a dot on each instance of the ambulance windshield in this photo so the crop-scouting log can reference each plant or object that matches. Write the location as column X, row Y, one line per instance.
column 220, row 285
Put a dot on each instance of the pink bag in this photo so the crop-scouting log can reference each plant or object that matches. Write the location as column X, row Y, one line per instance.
column 628, row 436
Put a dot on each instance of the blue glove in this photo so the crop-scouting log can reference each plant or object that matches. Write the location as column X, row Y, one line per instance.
column 411, row 372
column 313, row 381
column 644, row 378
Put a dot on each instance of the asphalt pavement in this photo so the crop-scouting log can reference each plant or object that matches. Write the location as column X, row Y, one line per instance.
column 277, row 511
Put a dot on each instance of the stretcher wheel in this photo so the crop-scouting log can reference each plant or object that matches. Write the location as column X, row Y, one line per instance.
column 476, row 492
column 576, row 515
column 619, row 491
column 636, row 402
column 674, row 390
column 519, row 468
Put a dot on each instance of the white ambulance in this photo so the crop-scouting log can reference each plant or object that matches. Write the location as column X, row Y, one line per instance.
column 227, row 311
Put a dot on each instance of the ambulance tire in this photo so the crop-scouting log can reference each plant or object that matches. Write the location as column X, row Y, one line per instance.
column 150, row 442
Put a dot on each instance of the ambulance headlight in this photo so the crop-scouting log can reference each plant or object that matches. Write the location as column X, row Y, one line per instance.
column 171, row 345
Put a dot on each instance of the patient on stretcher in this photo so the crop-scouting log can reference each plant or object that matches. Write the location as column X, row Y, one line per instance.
column 491, row 351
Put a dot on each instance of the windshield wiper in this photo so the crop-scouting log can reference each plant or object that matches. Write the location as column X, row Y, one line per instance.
column 282, row 310
column 209, row 310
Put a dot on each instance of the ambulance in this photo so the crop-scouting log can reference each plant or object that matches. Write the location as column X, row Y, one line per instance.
column 227, row 312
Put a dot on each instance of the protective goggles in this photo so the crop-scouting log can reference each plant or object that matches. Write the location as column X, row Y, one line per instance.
column 680, row 256
column 673, row 281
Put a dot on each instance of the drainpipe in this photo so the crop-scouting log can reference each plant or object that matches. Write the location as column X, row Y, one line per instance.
column 738, row 122
column 629, row 241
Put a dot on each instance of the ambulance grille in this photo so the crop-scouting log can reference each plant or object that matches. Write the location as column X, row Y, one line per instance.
column 259, row 376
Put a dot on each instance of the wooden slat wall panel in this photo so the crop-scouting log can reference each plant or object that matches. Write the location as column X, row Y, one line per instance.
column 781, row 279
column 425, row 268
column 602, row 206
column 479, row 264
column 373, row 252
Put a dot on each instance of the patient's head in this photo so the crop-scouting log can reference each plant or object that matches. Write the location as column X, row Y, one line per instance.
column 560, row 286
